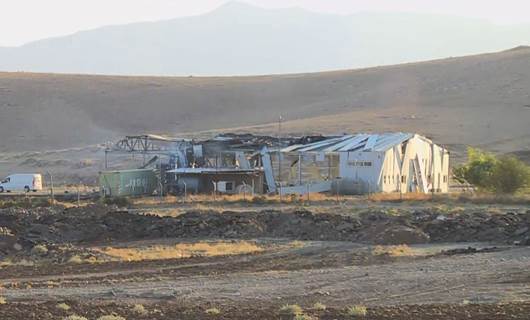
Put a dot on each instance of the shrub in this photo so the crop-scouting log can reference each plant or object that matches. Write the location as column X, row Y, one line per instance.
column 259, row 199
column 139, row 309
column 302, row 317
column 39, row 250
column 478, row 168
column 509, row 175
column 75, row 260
column 213, row 311
column 319, row 306
column 63, row 306
column 111, row 317
column 501, row 175
column 118, row 201
column 356, row 311
column 401, row 250
column 75, row 317
column 291, row 309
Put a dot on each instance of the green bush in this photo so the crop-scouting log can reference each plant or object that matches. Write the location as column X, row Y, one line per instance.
column 505, row 175
column 509, row 175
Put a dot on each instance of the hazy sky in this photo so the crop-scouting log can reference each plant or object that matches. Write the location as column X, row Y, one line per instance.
column 22, row 21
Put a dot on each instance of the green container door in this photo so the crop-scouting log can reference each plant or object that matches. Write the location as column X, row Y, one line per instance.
column 128, row 182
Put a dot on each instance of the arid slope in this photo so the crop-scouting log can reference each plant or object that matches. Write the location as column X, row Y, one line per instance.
column 479, row 100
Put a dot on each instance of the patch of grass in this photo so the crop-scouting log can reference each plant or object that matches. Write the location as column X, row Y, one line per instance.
column 394, row 196
column 297, row 244
column 486, row 198
column 356, row 311
column 63, row 306
column 401, row 250
column 258, row 199
column 111, row 317
column 3, row 300
column 75, row 317
column 212, row 311
column 182, row 250
column 39, row 250
column 302, row 317
column 139, row 309
column 26, row 203
column 319, row 306
column 122, row 202
column 75, row 260
column 291, row 309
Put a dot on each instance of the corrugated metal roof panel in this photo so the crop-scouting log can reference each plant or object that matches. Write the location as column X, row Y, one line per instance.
column 370, row 143
column 355, row 142
column 318, row 146
column 294, row 147
column 392, row 140
column 365, row 141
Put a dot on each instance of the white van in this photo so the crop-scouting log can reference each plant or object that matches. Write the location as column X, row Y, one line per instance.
column 22, row 182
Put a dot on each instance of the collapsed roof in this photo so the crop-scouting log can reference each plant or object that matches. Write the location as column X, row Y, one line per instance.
column 361, row 141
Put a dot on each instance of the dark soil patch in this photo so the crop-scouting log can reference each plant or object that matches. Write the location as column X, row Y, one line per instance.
column 101, row 224
column 184, row 311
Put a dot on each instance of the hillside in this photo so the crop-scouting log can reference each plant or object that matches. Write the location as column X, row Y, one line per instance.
column 240, row 39
column 479, row 100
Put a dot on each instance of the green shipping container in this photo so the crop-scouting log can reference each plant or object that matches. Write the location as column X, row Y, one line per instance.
column 128, row 182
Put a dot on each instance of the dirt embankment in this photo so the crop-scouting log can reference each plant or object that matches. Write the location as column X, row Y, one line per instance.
column 24, row 228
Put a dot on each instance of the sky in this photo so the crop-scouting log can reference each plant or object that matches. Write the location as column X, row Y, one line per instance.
column 23, row 21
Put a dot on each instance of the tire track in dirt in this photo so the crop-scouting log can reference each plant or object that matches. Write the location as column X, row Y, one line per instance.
column 450, row 279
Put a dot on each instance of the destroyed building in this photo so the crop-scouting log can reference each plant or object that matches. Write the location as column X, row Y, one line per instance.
column 367, row 163
column 347, row 164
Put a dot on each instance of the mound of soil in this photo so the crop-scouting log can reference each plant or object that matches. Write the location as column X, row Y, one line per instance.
column 24, row 228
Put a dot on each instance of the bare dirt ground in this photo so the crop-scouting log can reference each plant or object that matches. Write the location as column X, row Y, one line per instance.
column 412, row 262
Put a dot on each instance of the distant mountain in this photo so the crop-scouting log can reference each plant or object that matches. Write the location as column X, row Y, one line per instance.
column 239, row 39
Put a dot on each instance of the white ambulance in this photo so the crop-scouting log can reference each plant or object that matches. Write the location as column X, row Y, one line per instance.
column 21, row 182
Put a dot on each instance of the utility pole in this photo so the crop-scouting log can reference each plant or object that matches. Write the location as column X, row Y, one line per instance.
column 78, row 196
column 106, row 159
column 280, row 155
column 51, row 190
column 432, row 172
column 299, row 168
column 161, row 181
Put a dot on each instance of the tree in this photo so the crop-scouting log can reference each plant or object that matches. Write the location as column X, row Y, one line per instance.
column 489, row 173
column 510, row 175
column 478, row 169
